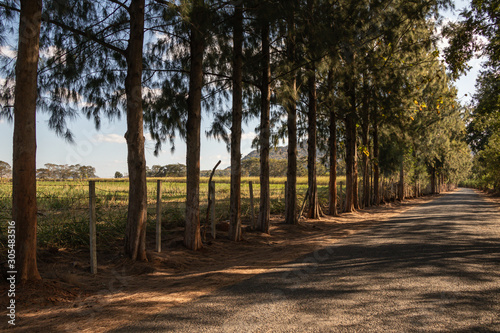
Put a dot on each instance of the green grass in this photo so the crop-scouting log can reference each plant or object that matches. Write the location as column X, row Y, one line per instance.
column 63, row 212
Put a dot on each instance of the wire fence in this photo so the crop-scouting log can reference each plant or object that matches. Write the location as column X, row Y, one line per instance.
column 63, row 206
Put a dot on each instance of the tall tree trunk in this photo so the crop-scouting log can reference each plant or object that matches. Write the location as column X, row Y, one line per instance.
column 265, row 134
column 135, row 233
column 291, row 173
column 313, row 208
column 24, row 148
column 364, row 139
column 349, row 161
column 192, row 236
column 433, row 180
column 350, row 143
column 416, row 185
column 235, row 216
column 402, row 180
column 333, row 162
column 376, row 170
column 355, row 187
column 332, row 185
column 438, row 183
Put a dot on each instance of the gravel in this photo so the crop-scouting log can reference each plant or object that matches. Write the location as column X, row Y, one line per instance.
column 434, row 268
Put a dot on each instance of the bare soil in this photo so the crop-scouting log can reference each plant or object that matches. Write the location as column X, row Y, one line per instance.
column 71, row 299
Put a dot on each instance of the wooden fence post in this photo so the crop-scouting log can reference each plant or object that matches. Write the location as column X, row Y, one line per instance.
column 252, row 211
column 212, row 193
column 92, row 228
column 303, row 205
column 158, row 216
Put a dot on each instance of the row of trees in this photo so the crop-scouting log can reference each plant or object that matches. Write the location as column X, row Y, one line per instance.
column 360, row 80
column 54, row 171
column 477, row 35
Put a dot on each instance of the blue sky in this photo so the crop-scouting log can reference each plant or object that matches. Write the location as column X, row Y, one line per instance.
column 106, row 149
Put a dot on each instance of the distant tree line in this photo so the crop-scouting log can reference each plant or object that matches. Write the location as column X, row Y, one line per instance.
column 55, row 171
column 5, row 170
column 250, row 167
column 64, row 171
column 169, row 170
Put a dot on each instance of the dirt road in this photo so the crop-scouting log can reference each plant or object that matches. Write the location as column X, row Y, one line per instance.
column 435, row 267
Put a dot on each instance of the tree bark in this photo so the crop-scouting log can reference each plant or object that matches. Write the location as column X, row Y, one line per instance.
column 135, row 231
column 416, row 185
column 192, row 236
column 355, row 187
column 402, row 180
column 265, row 209
column 364, row 139
column 235, row 199
column 376, row 170
column 433, row 180
column 333, row 155
column 24, row 206
column 313, row 207
column 351, row 156
column 291, row 174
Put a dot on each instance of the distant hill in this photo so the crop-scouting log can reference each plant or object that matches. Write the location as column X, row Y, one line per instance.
column 278, row 153
column 278, row 156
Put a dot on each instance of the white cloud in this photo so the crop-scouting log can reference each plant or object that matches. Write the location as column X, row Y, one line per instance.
column 154, row 93
column 442, row 42
column 162, row 37
column 207, row 163
column 10, row 83
column 7, row 51
column 51, row 51
column 248, row 136
column 112, row 138
column 116, row 138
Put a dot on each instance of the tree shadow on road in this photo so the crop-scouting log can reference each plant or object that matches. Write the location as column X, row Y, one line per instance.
column 441, row 272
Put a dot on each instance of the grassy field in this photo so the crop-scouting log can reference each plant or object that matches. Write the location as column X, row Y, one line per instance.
column 63, row 206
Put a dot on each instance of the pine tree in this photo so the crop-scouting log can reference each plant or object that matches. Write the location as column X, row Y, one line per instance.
column 192, row 236
column 24, row 206
column 237, row 115
column 291, row 108
column 264, row 144
column 332, row 186
column 135, row 233
column 102, row 42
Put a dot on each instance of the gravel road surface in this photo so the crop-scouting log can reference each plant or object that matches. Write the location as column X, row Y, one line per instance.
column 434, row 268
